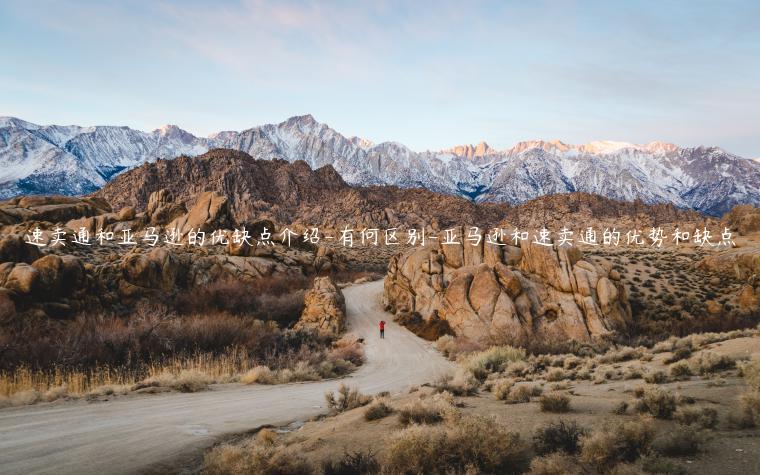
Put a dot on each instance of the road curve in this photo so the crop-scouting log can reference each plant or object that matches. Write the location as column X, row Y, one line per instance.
column 139, row 433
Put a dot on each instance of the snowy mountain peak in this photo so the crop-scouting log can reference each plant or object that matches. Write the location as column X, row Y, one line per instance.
column 605, row 146
column 550, row 145
column 470, row 151
column 54, row 159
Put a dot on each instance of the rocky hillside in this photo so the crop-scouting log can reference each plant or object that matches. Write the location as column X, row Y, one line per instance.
column 75, row 160
column 287, row 193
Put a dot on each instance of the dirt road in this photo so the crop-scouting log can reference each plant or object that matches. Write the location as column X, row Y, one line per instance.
column 135, row 434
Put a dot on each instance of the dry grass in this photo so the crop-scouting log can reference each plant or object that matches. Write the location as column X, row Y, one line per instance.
column 502, row 387
column 346, row 399
column 562, row 436
column 378, row 409
column 678, row 442
column 705, row 418
column 429, row 410
column 493, row 360
column 554, row 402
column 262, row 456
column 467, row 445
column 657, row 402
column 557, row 463
column 614, row 443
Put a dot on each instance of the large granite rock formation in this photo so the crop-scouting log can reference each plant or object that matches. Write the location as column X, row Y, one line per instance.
column 325, row 308
column 502, row 293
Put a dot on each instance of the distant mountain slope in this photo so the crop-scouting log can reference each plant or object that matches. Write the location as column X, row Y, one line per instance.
column 76, row 160
column 289, row 193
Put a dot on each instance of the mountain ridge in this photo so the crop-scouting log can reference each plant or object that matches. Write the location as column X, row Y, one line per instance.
column 69, row 160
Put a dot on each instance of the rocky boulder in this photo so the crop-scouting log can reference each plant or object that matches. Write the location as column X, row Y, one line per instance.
column 162, row 208
column 211, row 212
column 13, row 248
column 325, row 308
column 54, row 209
column 505, row 293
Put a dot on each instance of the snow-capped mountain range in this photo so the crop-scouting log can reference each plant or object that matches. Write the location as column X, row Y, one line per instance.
column 70, row 160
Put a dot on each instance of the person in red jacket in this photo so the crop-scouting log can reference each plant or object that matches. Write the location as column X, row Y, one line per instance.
column 382, row 328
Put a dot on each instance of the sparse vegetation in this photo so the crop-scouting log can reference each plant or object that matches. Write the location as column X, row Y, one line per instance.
column 353, row 463
column 346, row 399
column 561, row 436
column 554, row 402
column 614, row 443
column 476, row 443
column 378, row 409
column 657, row 402
column 678, row 442
column 430, row 410
column 705, row 418
column 263, row 455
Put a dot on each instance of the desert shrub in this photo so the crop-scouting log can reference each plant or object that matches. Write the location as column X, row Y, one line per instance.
column 682, row 399
column 572, row 362
column 493, row 360
column 557, row 463
column 429, row 410
column 750, row 402
column 678, row 442
column 558, row 436
column 706, row 417
column 554, row 402
column 187, row 381
column 678, row 355
column 656, row 377
column 277, row 298
column 620, row 408
column 501, row 388
column 616, row 442
column 708, row 362
column 25, row 398
column 346, row 399
column 658, row 403
column 583, row 375
column 378, row 409
column 447, row 345
column 519, row 369
column 470, row 445
column 462, row 384
column 751, row 373
column 56, row 393
column 261, row 456
column 624, row 353
column 353, row 463
column 347, row 349
column 680, row 369
column 659, row 465
column 556, row 374
column 259, row 374
column 634, row 372
column 519, row 394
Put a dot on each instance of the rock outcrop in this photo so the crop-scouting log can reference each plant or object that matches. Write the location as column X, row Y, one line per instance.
column 325, row 308
column 505, row 293
column 208, row 214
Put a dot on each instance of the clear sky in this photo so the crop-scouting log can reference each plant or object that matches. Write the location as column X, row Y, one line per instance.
column 427, row 74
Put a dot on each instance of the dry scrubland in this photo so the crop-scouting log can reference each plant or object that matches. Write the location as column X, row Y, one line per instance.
column 226, row 332
column 684, row 405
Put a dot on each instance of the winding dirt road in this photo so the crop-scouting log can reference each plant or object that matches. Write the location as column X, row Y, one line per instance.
column 141, row 433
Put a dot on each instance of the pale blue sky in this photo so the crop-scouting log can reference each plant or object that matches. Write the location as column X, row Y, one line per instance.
column 427, row 74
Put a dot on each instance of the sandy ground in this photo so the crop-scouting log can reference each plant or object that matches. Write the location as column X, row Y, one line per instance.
column 727, row 450
column 138, row 434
